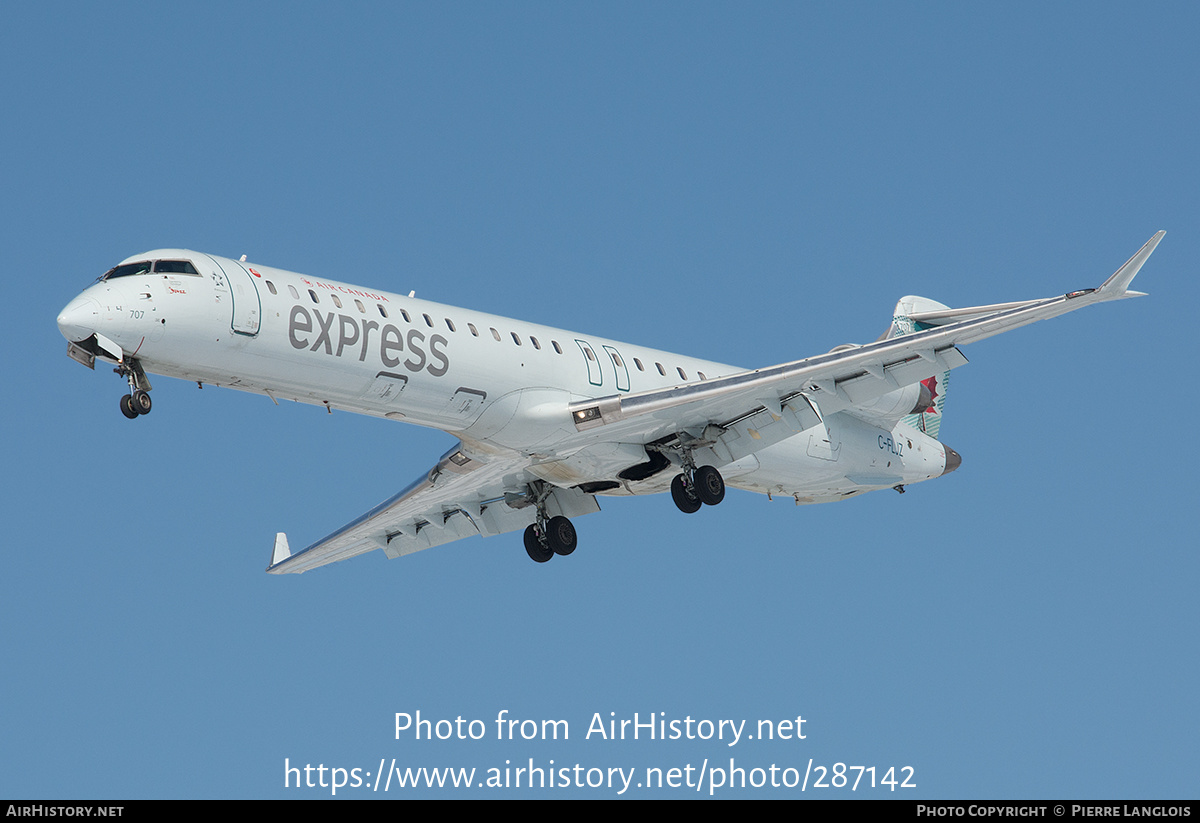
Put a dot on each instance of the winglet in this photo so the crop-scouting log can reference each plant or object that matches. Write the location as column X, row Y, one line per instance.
column 281, row 551
column 1116, row 287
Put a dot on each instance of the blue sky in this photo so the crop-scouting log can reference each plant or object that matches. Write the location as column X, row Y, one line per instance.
column 750, row 185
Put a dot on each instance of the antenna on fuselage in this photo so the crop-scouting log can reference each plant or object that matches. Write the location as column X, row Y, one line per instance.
column 242, row 259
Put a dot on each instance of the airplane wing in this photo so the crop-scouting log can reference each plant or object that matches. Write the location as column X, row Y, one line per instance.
column 463, row 495
column 840, row 379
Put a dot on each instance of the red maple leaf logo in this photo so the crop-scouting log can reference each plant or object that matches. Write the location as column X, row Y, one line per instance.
column 931, row 384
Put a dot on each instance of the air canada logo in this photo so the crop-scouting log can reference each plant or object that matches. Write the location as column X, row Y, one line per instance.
column 338, row 334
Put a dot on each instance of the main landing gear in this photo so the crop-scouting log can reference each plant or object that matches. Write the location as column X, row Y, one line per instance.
column 556, row 536
column 702, row 486
column 696, row 486
column 549, row 535
column 137, row 402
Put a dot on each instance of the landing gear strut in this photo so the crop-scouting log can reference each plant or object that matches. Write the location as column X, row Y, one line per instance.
column 137, row 402
column 549, row 535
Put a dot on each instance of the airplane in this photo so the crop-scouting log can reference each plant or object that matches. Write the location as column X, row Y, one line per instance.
column 547, row 420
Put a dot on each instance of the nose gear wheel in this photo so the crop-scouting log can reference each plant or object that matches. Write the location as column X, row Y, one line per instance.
column 137, row 402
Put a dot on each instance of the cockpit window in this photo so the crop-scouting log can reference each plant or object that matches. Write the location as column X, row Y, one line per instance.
column 141, row 267
column 174, row 267
column 145, row 267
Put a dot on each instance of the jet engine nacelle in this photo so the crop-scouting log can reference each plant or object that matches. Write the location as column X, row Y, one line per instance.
column 890, row 408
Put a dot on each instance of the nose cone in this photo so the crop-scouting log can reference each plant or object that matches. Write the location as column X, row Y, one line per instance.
column 953, row 460
column 78, row 320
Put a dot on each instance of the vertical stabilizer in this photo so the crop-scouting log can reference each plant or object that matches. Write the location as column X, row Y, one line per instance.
column 930, row 420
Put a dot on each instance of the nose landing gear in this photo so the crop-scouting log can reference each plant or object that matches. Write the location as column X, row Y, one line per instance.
column 137, row 402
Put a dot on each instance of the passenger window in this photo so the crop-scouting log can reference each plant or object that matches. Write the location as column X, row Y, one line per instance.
column 428, row 320
column 661, row 370
column 295, row 294
column 271, row 287
column 557, row 347
column 313, row 295
column 702, row 377
column 361, row 310
column 404, row 314
column 336, row 300
column 496, row 335
column 617, row 359
column 474, row 331
column 535, row 343
column 638, row 363
column 449, row 324
column 382, row 310
column 516, row 339
column 681, row 372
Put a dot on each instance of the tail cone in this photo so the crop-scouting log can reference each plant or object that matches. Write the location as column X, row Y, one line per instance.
column 953, row 460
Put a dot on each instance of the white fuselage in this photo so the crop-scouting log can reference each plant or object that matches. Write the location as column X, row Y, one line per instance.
column 497, row 383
